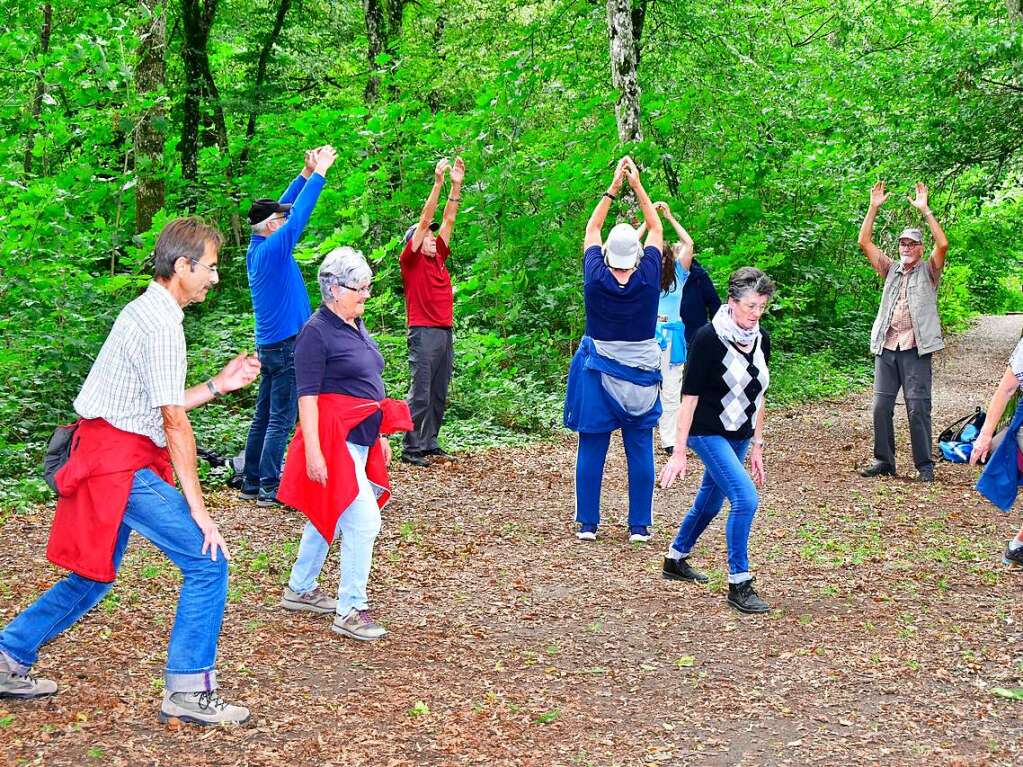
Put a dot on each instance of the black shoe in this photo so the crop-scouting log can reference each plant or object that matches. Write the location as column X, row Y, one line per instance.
column 1012, row 556
column 438, row 454
column 416, row 459
column 743, row 598
column 669, row 450
column 269, row 502
column 878, row 469
column 926, row 474
column 681, row 570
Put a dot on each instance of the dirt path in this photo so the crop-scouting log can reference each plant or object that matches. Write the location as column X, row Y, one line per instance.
column 513, row 644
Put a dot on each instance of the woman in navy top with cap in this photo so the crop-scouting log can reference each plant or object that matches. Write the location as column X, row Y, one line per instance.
column 614, row 378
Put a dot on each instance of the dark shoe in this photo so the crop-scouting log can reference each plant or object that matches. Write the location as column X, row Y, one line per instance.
column 1012, row 556
column 437, row 454
column 669, row 450
column 743, row 598
column 681, row 570
column 925, row 474
column 269, row 502
column 416, row 459
column 878, row 469
column 248, row 494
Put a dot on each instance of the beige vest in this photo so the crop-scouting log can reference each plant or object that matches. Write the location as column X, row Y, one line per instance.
column 922, row 296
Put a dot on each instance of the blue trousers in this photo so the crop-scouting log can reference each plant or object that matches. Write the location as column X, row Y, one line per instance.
column 276, row 411
column 724, row 476
column 589, row 474
column 159, row 513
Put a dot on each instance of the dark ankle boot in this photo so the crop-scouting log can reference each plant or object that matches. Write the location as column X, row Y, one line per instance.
column 680, row 570
column 743, row 598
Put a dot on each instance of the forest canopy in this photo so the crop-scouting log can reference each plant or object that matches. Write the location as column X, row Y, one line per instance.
column 762, row 125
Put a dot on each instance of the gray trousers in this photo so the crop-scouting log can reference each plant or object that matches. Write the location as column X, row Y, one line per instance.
column 911, row 372
column 431, row 357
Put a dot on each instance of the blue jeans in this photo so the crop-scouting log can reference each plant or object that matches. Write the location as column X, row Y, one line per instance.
column 358, row 528
column 724, row 476
column 589, row 474
column 276, row 410
column 159, row 513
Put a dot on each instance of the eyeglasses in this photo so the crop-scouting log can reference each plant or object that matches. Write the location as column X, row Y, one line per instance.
column 368, row 289
column 910, row 243
column 211, row 269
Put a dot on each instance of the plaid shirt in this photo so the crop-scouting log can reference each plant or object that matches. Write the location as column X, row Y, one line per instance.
column 140, row 368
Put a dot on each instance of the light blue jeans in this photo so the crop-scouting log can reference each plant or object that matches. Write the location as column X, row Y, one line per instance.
column 159, row 513
column 358, row 528
column 724, row 476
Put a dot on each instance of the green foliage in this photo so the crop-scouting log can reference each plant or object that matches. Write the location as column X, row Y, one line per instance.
column 764, row 126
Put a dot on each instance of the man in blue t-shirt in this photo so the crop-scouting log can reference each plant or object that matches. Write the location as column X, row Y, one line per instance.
column 281, row 305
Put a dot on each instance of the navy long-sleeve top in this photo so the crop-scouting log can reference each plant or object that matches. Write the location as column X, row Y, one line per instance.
column 621, row 312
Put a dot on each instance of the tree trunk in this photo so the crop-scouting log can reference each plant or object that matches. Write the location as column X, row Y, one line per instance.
column 37, row 99
column 433, row 99
column 395, row 18
column 638, row 18
column 193, row 40
column 624, row 75
column 377, row 35
column 256, row 99
column 149, row 134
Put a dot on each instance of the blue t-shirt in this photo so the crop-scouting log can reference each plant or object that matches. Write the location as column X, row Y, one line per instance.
column 279, row 298
column 332, row 357
column 668, row 305
column 621, row 312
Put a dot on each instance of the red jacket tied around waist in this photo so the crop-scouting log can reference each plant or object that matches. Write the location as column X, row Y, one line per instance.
column 94, row 487
column 338, row 415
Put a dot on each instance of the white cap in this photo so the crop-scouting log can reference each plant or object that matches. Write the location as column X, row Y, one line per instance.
column 622, row 249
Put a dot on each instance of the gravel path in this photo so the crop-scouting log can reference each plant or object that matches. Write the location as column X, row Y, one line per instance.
column 513, row 644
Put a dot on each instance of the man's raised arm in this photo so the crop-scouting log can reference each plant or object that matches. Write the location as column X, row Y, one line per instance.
column 866, row 240
column 454, row 197
column 940, row 240
column 430, row 206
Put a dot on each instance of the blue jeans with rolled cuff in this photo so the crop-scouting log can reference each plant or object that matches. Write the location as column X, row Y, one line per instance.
column 724, row 476
column 159, row 513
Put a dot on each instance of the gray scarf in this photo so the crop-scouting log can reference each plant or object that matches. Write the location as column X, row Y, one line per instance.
column 728, row 331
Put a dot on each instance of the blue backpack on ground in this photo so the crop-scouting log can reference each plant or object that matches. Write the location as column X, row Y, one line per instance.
column 956, row 442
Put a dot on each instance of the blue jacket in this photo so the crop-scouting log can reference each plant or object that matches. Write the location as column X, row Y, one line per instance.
column 700, row 300
column 999, row 482
column 590, row 409
column 279, row 297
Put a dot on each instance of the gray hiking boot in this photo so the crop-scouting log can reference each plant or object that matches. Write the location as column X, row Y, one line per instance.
column 24, row 687
column 201, row 708
column 358, row 625
column 314, row 601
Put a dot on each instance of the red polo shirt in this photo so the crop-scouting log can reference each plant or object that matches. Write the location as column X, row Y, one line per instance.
column 429, row 301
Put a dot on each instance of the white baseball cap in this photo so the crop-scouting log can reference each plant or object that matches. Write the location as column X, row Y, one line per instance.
column 621, row 248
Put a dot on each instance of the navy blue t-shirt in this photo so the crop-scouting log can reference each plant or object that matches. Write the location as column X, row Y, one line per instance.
column 332, row 357
column 621, row 312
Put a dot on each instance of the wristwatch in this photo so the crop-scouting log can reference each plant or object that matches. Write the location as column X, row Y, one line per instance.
column 213, row 388
column 758, row 442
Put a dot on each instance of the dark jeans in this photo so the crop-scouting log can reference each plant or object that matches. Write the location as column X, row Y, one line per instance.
column 431, row 357
column 911, row 372
column 276, row 410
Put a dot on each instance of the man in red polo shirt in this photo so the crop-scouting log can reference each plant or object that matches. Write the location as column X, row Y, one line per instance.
column 429, row 303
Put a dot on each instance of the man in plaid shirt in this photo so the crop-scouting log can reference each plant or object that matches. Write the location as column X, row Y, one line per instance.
column 134, row 427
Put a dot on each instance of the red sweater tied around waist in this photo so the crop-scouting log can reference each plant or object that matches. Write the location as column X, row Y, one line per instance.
column 94, row 487
column 338, row 415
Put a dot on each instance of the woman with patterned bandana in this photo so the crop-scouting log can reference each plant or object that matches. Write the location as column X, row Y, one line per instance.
column 722, row 412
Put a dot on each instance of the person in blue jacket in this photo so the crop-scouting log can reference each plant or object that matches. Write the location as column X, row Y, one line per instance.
column 688, row 299
column 614, row 378
column 1001, row 477
column 280, row 302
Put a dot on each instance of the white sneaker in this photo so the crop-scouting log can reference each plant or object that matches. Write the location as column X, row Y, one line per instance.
column 24, row 687
column 589, row 535
column 201, row 708
column 639, row 538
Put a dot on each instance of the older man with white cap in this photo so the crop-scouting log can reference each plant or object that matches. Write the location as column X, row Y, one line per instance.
column 905, row 334
column 614, row 379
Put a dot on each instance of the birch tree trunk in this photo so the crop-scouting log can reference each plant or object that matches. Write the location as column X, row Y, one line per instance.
column 624, row 74
column 377, row 35
column 148, row 138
